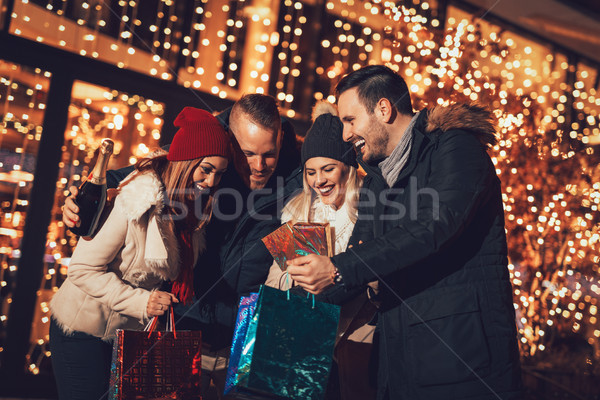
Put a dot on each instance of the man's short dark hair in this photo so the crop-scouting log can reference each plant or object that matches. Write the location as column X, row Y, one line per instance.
column 261, row 108
column 375, row 82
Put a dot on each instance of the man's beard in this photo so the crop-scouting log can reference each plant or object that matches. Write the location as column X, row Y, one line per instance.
column 254, row 184
column 245, row 173
column 378, row 144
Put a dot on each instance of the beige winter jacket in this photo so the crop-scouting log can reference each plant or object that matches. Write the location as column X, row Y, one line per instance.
column 111, row 276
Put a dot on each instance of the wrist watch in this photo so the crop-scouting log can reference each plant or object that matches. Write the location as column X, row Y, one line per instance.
column 337, row 277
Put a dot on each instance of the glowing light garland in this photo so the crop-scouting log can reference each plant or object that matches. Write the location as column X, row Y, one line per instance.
column 547, row 114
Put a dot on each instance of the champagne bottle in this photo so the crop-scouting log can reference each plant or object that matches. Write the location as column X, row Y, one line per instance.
column 92, row 193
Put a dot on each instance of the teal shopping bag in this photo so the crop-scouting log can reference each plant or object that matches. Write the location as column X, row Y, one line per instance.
column 288, row 347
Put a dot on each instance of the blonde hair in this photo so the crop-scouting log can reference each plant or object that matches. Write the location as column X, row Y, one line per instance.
column 177, row 178
column 300, row 205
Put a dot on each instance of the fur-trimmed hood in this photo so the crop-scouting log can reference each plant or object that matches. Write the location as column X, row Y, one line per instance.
column 139, row 192
column 142, row 200
column 469, row 117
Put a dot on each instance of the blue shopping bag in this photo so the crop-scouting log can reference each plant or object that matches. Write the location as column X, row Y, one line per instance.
column 288, row 348
column 245, row 313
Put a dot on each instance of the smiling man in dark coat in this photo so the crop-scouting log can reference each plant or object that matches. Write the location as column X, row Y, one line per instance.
column 446, row 325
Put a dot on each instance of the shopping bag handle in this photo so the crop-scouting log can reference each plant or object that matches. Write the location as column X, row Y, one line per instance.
column 287, row 292
column 170, row 323
column 308, row 295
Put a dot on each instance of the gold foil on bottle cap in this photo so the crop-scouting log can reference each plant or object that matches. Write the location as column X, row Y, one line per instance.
column 107, row 146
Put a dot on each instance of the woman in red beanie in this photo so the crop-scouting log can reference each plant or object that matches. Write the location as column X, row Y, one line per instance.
column 153, row 234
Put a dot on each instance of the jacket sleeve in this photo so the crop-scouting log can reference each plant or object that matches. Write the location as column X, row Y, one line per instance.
column 115, row 176
column 253, row 259
column 89, row 271
column 461, row 177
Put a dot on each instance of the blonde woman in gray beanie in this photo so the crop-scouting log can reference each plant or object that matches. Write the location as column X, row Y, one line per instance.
column 332, row 182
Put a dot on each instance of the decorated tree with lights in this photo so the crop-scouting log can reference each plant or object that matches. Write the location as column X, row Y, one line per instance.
column 548, row 167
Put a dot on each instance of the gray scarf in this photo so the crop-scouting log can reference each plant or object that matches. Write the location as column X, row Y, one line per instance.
column 391, row 166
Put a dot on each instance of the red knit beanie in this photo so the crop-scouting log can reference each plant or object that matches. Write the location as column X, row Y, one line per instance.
column 200, row 135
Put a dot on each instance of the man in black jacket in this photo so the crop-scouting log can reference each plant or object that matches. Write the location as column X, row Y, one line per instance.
column 248, row 203
column 446, row 326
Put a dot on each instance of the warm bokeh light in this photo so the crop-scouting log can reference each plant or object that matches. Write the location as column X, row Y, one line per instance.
column 547, row 110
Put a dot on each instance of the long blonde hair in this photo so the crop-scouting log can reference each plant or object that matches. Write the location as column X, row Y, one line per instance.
column 177, row 178
column 300, row 205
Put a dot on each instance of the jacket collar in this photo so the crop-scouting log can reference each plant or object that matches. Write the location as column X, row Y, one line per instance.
column 142, row 199
column 293, row 185
column 420, row 141
column 471, row 118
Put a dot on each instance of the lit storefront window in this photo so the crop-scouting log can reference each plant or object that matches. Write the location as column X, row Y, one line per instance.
column 23, row 93
column 133, row 122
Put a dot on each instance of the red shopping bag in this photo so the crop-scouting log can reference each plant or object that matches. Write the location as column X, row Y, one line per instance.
column 156, row 365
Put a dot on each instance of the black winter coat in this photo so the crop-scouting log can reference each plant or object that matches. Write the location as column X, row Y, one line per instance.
column 446, row 327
